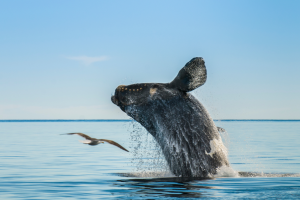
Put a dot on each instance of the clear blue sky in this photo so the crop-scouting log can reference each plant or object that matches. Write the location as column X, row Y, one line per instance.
column 64, row 59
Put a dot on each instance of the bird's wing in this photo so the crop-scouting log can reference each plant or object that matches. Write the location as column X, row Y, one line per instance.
column 82, row 135
column 113, row 143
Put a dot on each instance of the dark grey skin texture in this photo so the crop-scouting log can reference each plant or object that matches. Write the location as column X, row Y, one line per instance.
column 180, row 124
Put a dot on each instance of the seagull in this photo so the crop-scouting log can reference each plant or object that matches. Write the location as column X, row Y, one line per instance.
column 94, row 141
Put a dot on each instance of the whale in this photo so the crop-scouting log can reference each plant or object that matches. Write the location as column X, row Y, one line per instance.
column 188, row 137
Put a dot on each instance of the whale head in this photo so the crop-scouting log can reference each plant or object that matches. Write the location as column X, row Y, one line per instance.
column 190, row 77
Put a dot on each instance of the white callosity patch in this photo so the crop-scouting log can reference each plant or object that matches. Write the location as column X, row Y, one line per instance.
column 152, row 91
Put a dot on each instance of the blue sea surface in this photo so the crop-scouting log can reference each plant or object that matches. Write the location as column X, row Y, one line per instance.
column 36, row 162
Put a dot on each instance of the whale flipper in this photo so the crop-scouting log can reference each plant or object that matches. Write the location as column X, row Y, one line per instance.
column 221, row 129
column 191, row 76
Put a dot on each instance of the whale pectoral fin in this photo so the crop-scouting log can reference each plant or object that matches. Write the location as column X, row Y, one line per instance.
column 221, row 129
column 191, row 76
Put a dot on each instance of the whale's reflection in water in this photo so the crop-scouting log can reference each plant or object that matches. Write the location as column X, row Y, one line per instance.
column 165, row 187
column 170, row 187
column 190, row 188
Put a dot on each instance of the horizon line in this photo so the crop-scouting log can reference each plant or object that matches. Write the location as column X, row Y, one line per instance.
column 124, row 120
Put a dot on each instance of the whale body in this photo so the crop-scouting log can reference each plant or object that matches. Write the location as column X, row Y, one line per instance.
column 180, row 124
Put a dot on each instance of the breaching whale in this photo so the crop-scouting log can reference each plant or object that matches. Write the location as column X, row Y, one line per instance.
column 183, row 128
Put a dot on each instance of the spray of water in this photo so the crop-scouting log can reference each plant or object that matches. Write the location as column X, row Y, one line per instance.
column 148, row 159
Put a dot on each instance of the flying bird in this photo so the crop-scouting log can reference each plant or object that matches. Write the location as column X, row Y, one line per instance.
column 94, row 141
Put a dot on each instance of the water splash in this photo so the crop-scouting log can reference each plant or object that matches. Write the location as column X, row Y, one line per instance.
column 225, row 138
column 226, row 171
column 148, row 159
column 266, row 175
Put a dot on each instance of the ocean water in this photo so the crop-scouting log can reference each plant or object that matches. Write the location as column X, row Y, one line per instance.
column 36, row 162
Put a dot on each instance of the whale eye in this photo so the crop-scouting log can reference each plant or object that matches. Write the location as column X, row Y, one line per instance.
column 155, row 86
